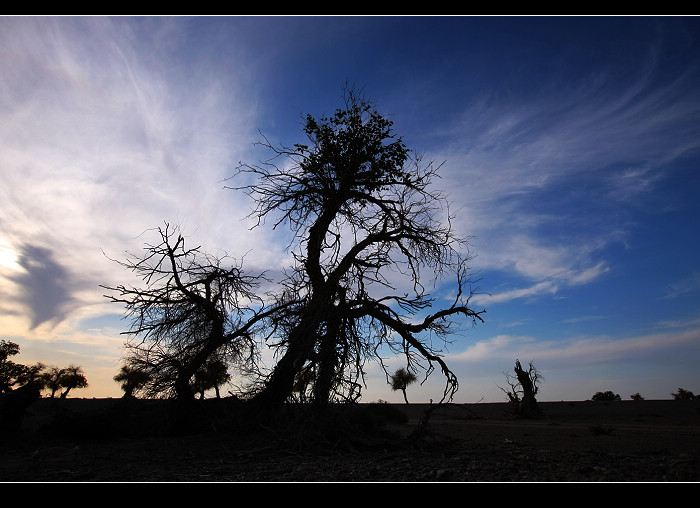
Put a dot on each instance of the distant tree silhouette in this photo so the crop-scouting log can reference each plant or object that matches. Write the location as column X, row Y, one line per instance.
column 213, row 374
column 10, row 372
column 606, row 396
column 360, row 206
column 69, row 378
column 523, row 389
column 14, row 375
column 33, row 375
column 131, row 380
column 401, row 379
column 683, row 394
column 636, row 396
column 73, row 377
column 52, row 379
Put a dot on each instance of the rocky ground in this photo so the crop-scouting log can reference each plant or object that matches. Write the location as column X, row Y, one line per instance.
column 81, row 440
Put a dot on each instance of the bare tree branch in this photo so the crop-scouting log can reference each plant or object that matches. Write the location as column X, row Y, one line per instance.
column 363, row 210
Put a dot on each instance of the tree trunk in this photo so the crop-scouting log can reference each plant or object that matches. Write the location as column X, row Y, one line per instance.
column 326, row 364
column 280, row 385
column 301, row 340
column 528, row 405
column 182, row 385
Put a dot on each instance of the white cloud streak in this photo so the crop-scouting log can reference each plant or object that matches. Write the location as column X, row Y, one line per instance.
column 545, row 182
column 102, row 138
column 688, row 285
column 578, row 350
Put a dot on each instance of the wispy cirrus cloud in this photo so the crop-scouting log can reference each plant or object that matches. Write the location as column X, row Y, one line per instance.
column 541, row 288
column 547, row 180
column 579, row 350
column 678, row 288
column 103, row 137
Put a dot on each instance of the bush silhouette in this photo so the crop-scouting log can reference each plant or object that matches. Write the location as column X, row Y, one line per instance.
column 682, row 394
column 606, row 396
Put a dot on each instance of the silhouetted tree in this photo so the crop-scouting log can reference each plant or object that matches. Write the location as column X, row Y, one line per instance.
column 636, row 396
column 606, row 396
column 72, row 377
column 33, row 374
column 370, row 234
column 401, row 379
column 191, row 309
column 55, row 378
column 11, row 373
column 523, row 389
column 362, row 208
column 212, row 375
column 51, row 378
column 131, row 380
column 683, row 394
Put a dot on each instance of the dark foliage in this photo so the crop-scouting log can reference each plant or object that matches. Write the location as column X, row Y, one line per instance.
column 683, row 394
column 605, row 396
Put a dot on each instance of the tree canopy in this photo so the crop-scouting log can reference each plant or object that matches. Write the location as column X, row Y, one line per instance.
column 401, row 379
column 10, row 372
column 14, row 375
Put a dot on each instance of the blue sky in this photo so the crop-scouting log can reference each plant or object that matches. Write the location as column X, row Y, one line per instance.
column 570, row 146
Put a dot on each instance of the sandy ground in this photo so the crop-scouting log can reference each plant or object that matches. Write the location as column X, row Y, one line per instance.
column 581, row 441
column 633, row 426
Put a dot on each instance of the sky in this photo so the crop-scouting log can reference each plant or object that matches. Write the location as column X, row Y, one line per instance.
column 569, row 146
